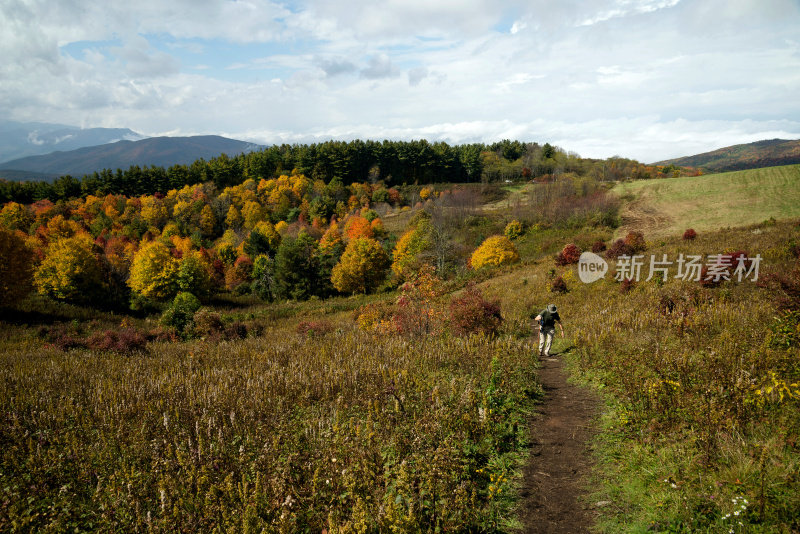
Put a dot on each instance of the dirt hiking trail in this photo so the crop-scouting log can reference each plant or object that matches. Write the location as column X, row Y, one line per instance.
column 560, row 456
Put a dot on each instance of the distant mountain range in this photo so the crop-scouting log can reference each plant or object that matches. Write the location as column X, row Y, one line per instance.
column 159, row 151
column 739, row 157
column 21, row 139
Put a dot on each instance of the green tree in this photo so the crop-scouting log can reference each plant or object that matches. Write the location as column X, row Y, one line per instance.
column 297, row 268
column 263, row 277
column 180, row 313
column 194, row 275
column 263, row 239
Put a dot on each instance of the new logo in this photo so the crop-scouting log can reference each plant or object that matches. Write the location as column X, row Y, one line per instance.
column 591, row 267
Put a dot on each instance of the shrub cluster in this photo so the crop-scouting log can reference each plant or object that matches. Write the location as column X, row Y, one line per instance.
column 633, row 243
column 314, row 328
column 558, row 285
column 180, row 314
column 598, row 246
column 569, row 255
column 69, row 336
column 494, row 251
column 471, row 313
column 513, row 229
column 689, row 234
column 627, row 284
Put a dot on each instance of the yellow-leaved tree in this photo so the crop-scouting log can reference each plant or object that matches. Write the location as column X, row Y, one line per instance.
column 362, row 267
column 513, row 229
column 407, row 254
column 154, row 272
column 16, row 267
column 208, row 221
column 154, row 212
column 495, row 250
column 15, row 216
column 71, row 271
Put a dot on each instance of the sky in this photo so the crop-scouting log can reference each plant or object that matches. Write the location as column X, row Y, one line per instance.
column 645, row 79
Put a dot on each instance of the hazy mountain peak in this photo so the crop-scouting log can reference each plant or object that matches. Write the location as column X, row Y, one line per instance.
column 22, row 139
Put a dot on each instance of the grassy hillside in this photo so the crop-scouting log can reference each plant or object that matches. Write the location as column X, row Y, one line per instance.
column 700, row 430
column 671, row 205
column 372, row 414
column 768, row 153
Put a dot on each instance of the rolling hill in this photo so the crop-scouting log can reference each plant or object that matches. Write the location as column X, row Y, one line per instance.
column 159, row 151
column 669, row 206
column 768, row 153
column 22, row 139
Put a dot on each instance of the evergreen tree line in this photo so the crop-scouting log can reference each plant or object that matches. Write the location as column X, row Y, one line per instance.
column 392, row 162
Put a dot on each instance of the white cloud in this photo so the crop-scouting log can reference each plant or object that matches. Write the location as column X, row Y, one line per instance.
column 141, row 61
column 416, row 75
column 649, row 79
column 379, row 66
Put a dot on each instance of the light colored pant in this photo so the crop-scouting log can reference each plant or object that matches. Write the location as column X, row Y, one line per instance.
column 546, row 340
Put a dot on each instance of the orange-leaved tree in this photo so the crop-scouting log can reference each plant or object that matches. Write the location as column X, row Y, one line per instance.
column 356, row 227
column 362, row 266
column 331, row 239
column 495, row 250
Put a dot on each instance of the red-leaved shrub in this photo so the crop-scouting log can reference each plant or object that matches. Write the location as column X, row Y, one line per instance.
column 598, row 246
column 67, row 341
column 627, row 284
column 709, row 280
column 559, row 285
column 236, row 330
column 123, row 340
column 569, row 254
column 314, row 328
column 471, row 313
column 635, row 240
column 786, row 286
column 208, row 324
column 689, row 234
column 619, row 248
column 794, row 249
column 724, row 268
column 734, row 258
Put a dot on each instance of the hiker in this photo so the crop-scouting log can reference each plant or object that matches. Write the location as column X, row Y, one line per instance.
column 547, row 320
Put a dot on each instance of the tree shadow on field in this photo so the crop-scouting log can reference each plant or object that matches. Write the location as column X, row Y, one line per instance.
column 33, row 318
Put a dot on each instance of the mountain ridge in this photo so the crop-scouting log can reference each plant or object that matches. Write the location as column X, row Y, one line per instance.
column 756, row 155
column 158, row 151
column 23, row 139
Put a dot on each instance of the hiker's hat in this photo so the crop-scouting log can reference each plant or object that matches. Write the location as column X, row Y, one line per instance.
column 551, row 308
